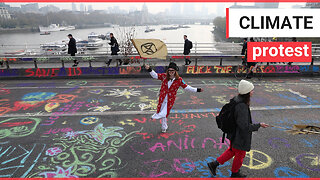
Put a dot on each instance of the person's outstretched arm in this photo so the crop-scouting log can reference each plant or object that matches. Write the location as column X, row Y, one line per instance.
column 151, row 71
column 190, row 88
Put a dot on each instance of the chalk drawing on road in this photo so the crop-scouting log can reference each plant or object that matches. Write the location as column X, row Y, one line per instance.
column 221, row 99
column 309, row 161
column 286, row 172
column 18, row 127
column 51, row 106
column 38, row 96
column 87, row 153
column 53, row 151
column 18, row 161
column 297, row 93
column 60, row 173
column 126, row 93
column 100, row 108
column 127, row 122
column 152, row 103
column 89, row 120
column 96, row 91
column 257, row 160
column 77, row 83
column 63, row 98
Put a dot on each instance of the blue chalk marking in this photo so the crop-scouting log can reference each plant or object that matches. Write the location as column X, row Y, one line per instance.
column 289, row 173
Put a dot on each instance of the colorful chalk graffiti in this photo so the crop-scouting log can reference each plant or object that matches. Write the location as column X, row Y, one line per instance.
column 77, row 137
column 19, row 160
column 89, row 120
column 87, row 152
column 18, row 127
column 137, row 70
column 100, row 108
column 126, row 93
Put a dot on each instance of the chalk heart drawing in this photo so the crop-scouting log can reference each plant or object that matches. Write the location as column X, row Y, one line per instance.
column 126, row 93
column 18, row 127
column 257, row 160
column 87, row 153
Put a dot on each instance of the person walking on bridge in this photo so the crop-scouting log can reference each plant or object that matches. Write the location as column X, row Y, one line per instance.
column 72, row 49
column 114, row 48
column 186, row 49
column 171, row 81
column 240, row 139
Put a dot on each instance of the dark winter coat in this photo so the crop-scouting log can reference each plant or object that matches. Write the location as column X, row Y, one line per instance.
column 243, row 134
column 72, row 48
column 114, row 46
column 244, row 48
column 187, row 47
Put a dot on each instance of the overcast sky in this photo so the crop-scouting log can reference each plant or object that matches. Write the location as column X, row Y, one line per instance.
column 152, row 7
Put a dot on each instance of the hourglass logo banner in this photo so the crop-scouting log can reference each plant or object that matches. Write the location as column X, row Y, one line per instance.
column 273, row 22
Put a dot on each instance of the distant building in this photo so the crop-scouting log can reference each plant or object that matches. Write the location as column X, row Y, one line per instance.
column 204, row 10
column 221, row 10
column 90, row 9
column 49, row 8
column 297, row 6
column 82, row 8
column 132, row 9
column 266, row 5
column 312, row 5
column 4, row 14
column 175, row 9
column 14, row 9
column 145, row 14
column 188, row 10
column 74, row 7
column 257, row 5
column 4, row 5
column 30, row 8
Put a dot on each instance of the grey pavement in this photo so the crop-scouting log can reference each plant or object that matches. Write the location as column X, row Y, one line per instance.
column 102, row 128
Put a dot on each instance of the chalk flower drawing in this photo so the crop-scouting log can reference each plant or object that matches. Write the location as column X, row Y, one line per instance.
column 53, row 151
column 60, row 173
column 100, row 108
column 71, row 134
column 125, row 92
column 152, row 103
column 88, row 153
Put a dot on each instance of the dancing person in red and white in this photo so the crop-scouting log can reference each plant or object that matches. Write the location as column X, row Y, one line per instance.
column 171, row 81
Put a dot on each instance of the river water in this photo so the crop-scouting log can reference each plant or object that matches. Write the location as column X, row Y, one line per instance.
column 11, row 42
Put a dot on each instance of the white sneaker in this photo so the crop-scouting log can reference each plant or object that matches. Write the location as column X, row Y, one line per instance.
column 164, row 130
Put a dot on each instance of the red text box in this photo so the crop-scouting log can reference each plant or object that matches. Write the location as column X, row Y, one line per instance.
column 279, row 52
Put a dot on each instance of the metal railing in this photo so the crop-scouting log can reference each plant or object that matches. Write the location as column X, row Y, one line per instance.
column 173, row 48
column 133, row 60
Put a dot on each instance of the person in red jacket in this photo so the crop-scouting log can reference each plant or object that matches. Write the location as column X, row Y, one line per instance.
column 171, row 81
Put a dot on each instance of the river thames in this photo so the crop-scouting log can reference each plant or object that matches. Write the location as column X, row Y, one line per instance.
column 11, row 42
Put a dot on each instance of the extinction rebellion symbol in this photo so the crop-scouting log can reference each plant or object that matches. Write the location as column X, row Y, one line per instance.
column 148, row 48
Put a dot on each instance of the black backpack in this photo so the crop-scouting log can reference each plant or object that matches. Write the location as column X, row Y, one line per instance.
column 190, row 45
column 226, row 120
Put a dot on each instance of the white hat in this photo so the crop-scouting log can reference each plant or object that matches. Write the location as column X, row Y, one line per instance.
column 245, row 87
